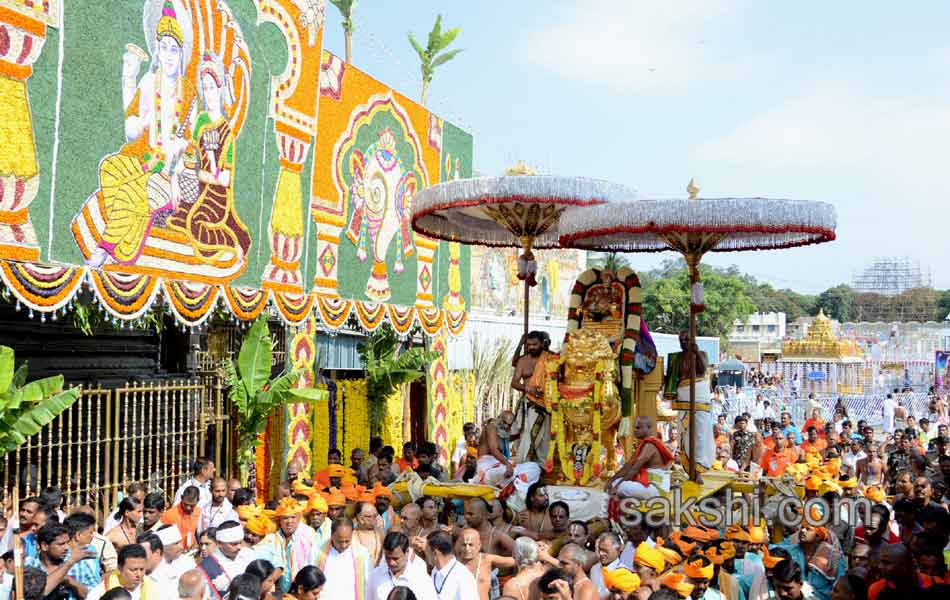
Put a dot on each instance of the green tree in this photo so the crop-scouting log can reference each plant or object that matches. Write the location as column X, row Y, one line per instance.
column 346, row 11
column 255, row 394
column 609, row 261
column 837, row 303
column 25, row 408
column 942, row 311
column 388, row 369
column 666, row 301
column 430, row 57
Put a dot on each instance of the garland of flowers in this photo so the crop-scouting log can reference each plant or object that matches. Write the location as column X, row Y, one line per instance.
column 332, row 416
column 392, row 429
column 321, row 432
column 355, row 416
column 593, row 454
column 559, row 437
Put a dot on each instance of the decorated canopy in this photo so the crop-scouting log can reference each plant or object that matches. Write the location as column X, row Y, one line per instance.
column 723, row 224
column 213, row 154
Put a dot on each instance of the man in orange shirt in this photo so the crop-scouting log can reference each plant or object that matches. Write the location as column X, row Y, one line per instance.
column 408, row 460
column 775, row 460
column 185, row 515
column 814, row 443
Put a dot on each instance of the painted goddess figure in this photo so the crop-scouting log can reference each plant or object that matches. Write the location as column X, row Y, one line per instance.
column 214, row 228
column 146, row 181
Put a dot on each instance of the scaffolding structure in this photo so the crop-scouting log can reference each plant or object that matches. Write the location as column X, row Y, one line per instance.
column 893, row 289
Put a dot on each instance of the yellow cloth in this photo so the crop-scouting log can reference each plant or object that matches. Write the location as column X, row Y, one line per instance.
column 813, row 483
column 874, row 493
column 757, row 534
column 696, row 570
column 127, row 212
column 248, row 511
column 318, row 503
column 848, row 484
column 621, row 580
column 828, row 486
column 303, row 489
column 649, row 556
column 260, row 525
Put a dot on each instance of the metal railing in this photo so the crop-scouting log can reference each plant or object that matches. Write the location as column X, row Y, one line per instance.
column 148, row 433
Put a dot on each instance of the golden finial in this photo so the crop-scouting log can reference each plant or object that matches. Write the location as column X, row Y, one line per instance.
column 692, row 188
column 520, row 169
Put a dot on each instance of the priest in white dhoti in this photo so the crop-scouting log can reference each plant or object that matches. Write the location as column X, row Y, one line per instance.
column 679, row 372
column 346, row 565
column 229, row 560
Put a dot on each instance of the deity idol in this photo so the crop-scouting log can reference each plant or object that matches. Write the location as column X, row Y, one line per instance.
column 146, row 181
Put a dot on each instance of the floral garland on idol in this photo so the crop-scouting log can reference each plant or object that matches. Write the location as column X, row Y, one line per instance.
column 571, row 470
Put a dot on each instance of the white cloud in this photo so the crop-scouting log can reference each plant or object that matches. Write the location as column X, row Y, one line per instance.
column 633, row 44
column 898, row 140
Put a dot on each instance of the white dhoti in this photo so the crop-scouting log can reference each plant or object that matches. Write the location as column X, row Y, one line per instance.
column 705, row 442
column 659, row 484
column 534, row 417
column 491, row 471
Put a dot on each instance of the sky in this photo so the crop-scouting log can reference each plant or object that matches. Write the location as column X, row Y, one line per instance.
column 843, row 102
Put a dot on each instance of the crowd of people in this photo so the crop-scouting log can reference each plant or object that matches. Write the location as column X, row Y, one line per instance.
column 341, row 533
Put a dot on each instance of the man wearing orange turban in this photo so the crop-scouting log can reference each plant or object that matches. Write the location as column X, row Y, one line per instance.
column 699, row 571
column 649, row 563
column 383, row 497
column 293, row 546
column 317, row 510
column 677, row 583
column 336, row 504
column 621, row 580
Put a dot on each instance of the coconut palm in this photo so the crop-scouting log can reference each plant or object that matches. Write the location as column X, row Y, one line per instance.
column 346, row 11
column 430, row 56
column 491, row 365
column 609, row 261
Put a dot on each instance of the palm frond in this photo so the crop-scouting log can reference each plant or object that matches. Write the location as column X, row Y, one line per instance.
column 445, row 57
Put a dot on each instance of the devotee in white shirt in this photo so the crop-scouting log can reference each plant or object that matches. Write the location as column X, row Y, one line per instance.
column 229, row 560
column 175, row 564
column 608, row 552
column 154, row 561
column 400, row 566
column 451, row 579
column 346, row 565
column 219, row 509
column 202, row 476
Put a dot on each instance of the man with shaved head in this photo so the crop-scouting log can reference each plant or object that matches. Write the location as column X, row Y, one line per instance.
column 633, row 480
column 191, row 586
column 469, row 552
column 493, row 541
column 898, row 573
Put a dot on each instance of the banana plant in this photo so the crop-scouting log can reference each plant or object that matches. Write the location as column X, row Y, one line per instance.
column 25, row 408
column 388, row 369
column 430, row 57
column 255, row 395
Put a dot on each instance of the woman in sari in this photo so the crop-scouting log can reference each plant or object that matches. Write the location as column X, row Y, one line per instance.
column 213, row 227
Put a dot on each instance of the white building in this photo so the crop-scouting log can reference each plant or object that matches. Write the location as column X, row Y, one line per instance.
column 759, row 337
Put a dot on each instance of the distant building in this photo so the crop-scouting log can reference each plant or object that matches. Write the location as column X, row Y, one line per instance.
column 758, row 338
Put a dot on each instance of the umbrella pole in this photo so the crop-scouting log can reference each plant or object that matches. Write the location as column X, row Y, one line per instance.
column 692, row 261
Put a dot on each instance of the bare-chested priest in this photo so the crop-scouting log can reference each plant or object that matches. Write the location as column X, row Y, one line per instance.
column 633, row 480
column 533, row 431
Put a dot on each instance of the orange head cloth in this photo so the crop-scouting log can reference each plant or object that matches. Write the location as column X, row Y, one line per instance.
column 700, row 533
column 684, row 547
column 366, row 497
column 335, row 498
column 696, row 570
column 813, row 483
column 248, row 511
column 757, row 534
column 770, row 561
column 621, row 580
column 289, row 507
column 737, row 533
column 677, row 583
column 260, row 525
column 299, row 487
column 381, row 490
column 715, row 555
column 318, row 504
column 874, row 493
column 350, row 491
column 649, row 556
column 336, row 471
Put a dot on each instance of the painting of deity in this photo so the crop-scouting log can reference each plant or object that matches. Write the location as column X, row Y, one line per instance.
column 165, row 200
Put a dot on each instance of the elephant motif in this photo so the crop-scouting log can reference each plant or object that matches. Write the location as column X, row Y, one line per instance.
column 381, row 195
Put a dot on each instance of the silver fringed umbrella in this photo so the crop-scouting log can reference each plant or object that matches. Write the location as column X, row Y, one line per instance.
column 693, row 227
column 519, row 210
